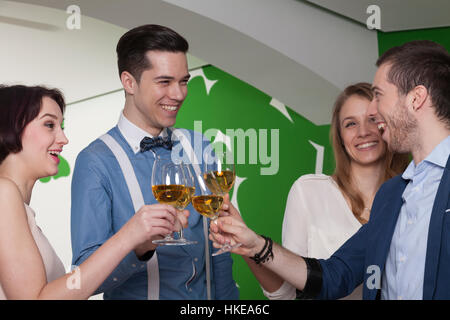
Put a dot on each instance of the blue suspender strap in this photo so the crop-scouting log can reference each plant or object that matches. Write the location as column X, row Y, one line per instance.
column 138, row 201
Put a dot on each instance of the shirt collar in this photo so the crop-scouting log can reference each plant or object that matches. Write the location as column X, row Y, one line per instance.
column 438, row 156
column 133, row 134
column 408, row 174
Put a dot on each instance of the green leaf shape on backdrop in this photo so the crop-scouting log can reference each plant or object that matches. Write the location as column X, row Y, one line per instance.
column 63, row 171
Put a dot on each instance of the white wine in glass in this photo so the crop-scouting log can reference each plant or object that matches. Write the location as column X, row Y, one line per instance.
column 219, row 172
column 168, row 187
column 186, row 198
column 219, row 175
column 208, row 205
column 169, row 194
column 184, row 201
column 219, row 182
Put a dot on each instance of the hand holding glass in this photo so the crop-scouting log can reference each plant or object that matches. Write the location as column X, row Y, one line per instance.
column 219, row 175
column 169, row 187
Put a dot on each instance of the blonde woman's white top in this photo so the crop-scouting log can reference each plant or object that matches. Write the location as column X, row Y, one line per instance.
column 53, row 265
column 317, row 221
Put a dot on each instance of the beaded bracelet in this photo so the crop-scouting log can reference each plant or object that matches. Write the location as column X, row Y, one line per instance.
column 264, row 255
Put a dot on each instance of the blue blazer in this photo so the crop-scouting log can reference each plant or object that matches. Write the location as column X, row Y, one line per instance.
column 363, row 257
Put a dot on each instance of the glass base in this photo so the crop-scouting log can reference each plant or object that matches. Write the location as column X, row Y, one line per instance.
column 174, row 242
column 226, row 248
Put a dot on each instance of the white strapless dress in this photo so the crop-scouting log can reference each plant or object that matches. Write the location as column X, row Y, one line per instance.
column 53, row 265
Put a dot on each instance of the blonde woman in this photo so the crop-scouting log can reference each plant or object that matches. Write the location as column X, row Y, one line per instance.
column 322, row 211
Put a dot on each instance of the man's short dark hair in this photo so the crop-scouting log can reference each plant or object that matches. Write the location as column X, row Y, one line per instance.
column 133, row 46
column 19, row 105
column 421, row 63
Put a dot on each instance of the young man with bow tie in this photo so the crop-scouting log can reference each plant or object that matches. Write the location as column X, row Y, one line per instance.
column 112, row 179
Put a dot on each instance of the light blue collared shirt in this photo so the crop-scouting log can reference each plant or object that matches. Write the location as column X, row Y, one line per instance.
column 101, row 205
column 405, row 265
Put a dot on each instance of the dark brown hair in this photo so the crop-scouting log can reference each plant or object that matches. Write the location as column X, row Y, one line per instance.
column 421, row 63
column 134, row 45
column 394, row 164
column 19, row 105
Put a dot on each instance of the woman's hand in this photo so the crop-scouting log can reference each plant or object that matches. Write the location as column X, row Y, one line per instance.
column 153, row 222
column 230, row 228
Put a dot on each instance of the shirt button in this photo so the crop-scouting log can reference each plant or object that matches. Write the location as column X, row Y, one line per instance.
column 402, row 259
column 190, row 290
column 114, row 279
column 410, row 221
column 195, row 259
column 133, row 265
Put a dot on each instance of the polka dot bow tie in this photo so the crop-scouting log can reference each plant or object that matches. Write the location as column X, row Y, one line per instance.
column 150, row 143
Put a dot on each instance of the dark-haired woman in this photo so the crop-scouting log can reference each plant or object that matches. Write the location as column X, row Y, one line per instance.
column 31, row 138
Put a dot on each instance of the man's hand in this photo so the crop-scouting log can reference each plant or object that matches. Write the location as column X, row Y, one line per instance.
column 232, row 230
column 228, row 209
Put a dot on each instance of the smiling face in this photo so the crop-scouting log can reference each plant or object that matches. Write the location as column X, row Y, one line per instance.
column 153, row 103
column 398, row 126
column 359, row 132
column 42, row 140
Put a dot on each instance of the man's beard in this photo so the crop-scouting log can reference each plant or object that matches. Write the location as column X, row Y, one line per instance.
column 402, row 129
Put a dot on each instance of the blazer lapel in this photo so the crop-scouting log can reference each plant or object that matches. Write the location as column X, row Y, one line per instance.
column 383, row 227
column 435, row 234
column 391, row 210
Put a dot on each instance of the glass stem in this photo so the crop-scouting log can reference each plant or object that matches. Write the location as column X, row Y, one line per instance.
column 180, row 233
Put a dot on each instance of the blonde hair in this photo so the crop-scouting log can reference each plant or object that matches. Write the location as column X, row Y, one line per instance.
column 394, row 163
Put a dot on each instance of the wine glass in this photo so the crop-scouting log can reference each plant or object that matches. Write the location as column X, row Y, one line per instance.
column 189, row 183
column 168, row 187
column 219, row 174
column 207, row 203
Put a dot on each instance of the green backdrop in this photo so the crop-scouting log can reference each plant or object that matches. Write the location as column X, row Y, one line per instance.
column 232, row 104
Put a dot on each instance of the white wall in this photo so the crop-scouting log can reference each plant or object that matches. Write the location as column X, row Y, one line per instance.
column 38, row 48
column 293, row 51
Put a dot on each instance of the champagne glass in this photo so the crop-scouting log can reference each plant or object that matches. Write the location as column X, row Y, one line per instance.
column 168, row 187
column 219, row 176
